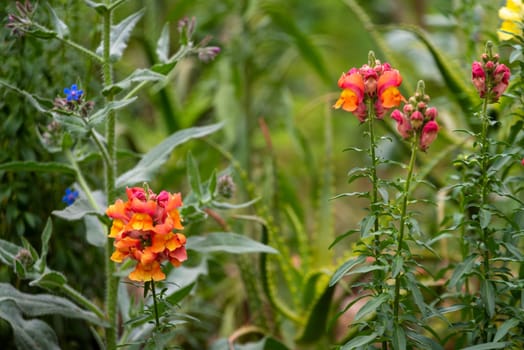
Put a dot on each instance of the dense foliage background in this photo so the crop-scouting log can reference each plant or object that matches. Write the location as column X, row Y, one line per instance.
column 273, row 85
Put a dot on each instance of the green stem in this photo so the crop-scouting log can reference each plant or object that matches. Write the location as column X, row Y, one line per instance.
column 402, row 225
column 110, row 178
column 72, row 44
column 81, row 180
column 83, row 301
column 484, row 178
column 101, row 147
column 157, row 319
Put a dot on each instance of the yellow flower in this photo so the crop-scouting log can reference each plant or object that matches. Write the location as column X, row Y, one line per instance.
column 511, row 16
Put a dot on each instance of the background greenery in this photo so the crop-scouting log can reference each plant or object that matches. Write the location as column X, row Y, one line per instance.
column 278, row 68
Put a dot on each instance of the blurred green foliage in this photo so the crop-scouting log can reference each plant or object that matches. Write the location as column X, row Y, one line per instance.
column 278, row 67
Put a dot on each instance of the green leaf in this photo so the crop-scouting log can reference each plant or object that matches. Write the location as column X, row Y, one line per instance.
column 28, row 334
column 280, row 16
column 120, row 34
column 8, row 252
column 224, row 205
column 397, row 266
column 361, row 340
column 96, row 232
column 101, row 8
column 317, row 317
column 49, row 280
column 487, row 346
column 505, row 328
column 162, row 45
column 100, row 115
column 139, row 75
column 371, row 306
column 266, row 343
column 227, row 242
column 45, row 238
column 36, row 305
column 464, row 268
column 82, row 207
column 399, row 338
column 61, row 29
column 41, row 105
column 487, row 293
column 156, row 157
column 366, row 225
column 484, row 218
column 193, row 174
column 29, row 165
column 343, row 269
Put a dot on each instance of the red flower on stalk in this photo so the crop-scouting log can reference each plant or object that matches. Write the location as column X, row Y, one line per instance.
column 378, row 83
column 143, row 231
column 490, row 77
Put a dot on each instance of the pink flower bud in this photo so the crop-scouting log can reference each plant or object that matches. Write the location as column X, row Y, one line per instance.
column 431, row 113
column 403, row 125
column 478, row 77
column 429, row 134
column 421, row 105
column 416, row 119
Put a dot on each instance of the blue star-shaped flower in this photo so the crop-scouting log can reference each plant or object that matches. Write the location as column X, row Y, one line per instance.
column 73, row 94
column 70, row 196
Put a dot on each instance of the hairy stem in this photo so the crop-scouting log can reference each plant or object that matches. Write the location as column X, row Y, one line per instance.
column 402, row 225
column 157, row 319
column 110, row 176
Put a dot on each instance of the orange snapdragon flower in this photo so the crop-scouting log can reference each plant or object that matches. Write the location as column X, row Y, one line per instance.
column 143, row 231
column 378, row 83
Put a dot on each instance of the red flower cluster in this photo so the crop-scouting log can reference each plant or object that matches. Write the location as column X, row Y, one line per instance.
column 142, row 229
column 379, row 83
column 417, row 120
column 490, row 77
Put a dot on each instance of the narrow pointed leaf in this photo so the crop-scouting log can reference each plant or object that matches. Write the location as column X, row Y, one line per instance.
column 137, row 76
column 227, row 242
column 359, row 341
column 156, row 157
column 35, row 305
column 162, row 45
column 100, row 115
column 345, row 268
column 28, row 334
column 487, row 346
column 193, row 174
column 50, row 167
column 61, row 29
column 120, row 34
column 371, row 306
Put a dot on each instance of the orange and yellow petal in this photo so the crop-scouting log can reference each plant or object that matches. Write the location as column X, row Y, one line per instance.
column 118, row 256
column 158, row 242
column 177, row 240
column 348, row 100
column 391, row 97
column 390, row 78
column 117, row 228
column 140, row 221
column 174, row 216
column 117, row 210
column 147, row 272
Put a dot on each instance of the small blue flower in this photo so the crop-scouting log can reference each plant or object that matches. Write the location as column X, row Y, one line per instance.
column 70, row 196
column 73, row 94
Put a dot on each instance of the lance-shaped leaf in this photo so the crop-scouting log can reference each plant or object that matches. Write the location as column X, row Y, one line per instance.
column 100, row 115
column 137, row 76
column 61, row 29
column 156, row 157
column 29, row 165
column 162, row 45
column 227, row 242
column 35, row 305
column 99, row 7
column 120, row 34
column 28, row 334
column 82, row 207
column 41, row 105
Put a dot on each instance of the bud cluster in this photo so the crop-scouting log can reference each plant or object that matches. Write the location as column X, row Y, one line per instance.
column 490, row 77
column 73, row 102
column 21, row 22
column 417, row 119
column 373, row 81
